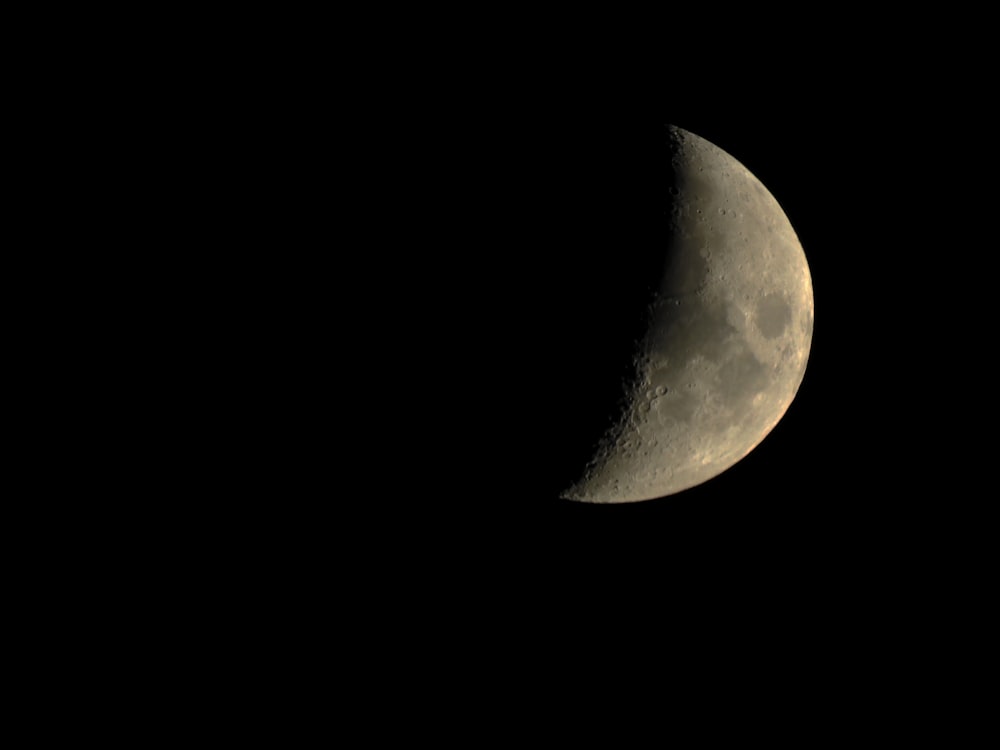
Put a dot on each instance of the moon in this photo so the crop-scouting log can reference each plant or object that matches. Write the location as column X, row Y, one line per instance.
column 727, row 336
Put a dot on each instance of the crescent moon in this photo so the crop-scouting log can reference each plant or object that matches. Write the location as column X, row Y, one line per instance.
column 726, row 341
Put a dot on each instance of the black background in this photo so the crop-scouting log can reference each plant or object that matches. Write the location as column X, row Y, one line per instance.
column 387, row 280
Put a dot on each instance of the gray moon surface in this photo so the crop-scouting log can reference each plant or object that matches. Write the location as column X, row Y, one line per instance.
column 726, row 340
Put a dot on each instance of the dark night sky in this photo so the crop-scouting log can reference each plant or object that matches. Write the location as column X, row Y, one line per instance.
column 414, row 256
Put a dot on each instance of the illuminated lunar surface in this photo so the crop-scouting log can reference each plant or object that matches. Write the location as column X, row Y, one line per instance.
column 727, row 339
